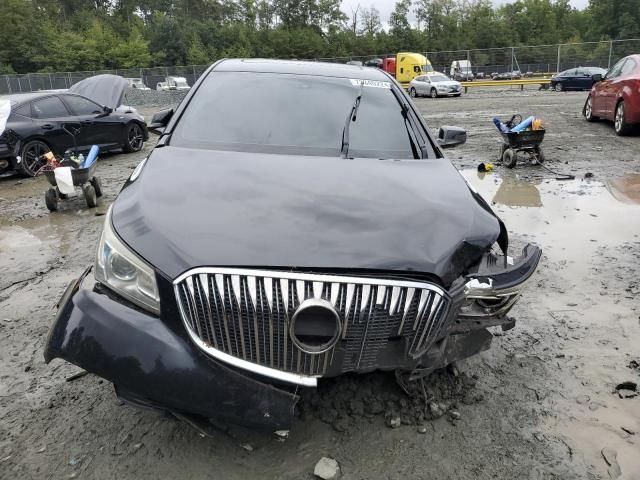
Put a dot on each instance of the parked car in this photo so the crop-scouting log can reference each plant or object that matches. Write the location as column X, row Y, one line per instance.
column 480, row 75
column 434, row 85
column 616, row 96
column 461, row 71
column 356, row 63
column 262, row 247
column 575, row 78
column 515, row 75
column 37, row 121
column 173, row 83
column 137, row 83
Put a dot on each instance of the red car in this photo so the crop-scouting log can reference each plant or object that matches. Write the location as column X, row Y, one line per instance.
column 616, row 96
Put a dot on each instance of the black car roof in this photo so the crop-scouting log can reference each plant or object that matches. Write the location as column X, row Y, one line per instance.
column 301, row 68
column 20, row 98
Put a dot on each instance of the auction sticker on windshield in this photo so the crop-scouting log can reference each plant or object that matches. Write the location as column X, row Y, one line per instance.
column 370, row 83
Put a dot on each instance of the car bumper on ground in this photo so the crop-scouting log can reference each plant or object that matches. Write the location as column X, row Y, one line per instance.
column 151, row 362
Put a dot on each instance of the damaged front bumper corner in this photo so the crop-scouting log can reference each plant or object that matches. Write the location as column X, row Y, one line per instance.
column 151, row 363
column 494, row 287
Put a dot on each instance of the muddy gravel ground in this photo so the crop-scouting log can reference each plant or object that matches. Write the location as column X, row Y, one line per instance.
column 540, row 404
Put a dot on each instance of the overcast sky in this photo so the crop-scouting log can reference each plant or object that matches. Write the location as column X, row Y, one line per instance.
column 386, row 6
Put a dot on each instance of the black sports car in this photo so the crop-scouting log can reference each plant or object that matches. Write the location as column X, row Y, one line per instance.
column 92, row 111
column 279, row 235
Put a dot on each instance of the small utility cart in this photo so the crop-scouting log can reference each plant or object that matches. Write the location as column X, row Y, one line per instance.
column 527, row 141
column 83, row 178
column 82, row 174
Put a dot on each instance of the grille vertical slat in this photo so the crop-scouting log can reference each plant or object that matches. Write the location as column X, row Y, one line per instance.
column 246, row 314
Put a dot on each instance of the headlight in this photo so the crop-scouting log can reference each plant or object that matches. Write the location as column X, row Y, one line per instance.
column 124, row 272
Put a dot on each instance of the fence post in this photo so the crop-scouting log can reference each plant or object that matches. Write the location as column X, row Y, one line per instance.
column 512, row 54
column 8, row 83
column 558, row 65
column 50, row 83
column 610, row 52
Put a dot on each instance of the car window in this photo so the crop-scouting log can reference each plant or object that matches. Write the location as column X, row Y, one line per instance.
column 628, row 67
column 439, row 78
column 24, row 110
column 82, row 106
column 615, row 70
column 50, row 107
column 293, row 114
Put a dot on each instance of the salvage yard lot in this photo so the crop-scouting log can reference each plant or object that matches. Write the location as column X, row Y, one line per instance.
column 539, row 404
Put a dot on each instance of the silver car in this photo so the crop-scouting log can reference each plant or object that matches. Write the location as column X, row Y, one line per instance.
column 434, row 85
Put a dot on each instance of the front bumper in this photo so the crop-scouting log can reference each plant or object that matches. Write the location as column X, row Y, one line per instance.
column 153, row 362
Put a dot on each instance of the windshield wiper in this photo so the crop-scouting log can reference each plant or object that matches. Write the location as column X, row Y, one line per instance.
column 405, row 115
column 344, row 148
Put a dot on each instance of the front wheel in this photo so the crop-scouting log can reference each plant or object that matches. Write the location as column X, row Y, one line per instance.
column 97, row 185
column 51, row 199
column 588, row 110
column 539, row 155
column 559, row 87
column 413, row 93
column 134, row 139
column 509, row 158
column 620, row 124
column 434, row 93
column 90, row 195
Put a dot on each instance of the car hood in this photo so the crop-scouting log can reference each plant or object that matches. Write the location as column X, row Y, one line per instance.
column 106, row 90
column 447, row 84
column 192, row 207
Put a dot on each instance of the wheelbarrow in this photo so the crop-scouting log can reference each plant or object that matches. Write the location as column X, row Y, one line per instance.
column 525, row 141
column 82, row 176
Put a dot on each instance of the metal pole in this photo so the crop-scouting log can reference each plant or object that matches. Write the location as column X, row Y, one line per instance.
column 610, row 52
column 29, row 78
column 558, row 65
column 8, row 83
column 50, row 82
column 512, row 53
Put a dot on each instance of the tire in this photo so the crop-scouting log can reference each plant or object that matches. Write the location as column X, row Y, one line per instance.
column 97, row 186
column 559, row 87
column 90, row 195
column 509, row 158
column 51, row 199
column 457, row 94
column 434, row 93
column 620, row 125
column 587, row 111
column 30, row 153
column 503, row 147
column 134, row 138
column 540, row 155
column 413, row 93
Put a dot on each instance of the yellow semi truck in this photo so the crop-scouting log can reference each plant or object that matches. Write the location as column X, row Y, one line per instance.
column 405, row 66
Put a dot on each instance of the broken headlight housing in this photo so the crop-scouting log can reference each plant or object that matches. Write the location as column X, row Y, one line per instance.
column 482, row 300
column 121, row 270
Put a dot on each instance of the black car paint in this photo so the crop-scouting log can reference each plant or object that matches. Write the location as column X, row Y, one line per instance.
column 142, row 353
column 107, row 130
column 259, row 210
column 342, row 222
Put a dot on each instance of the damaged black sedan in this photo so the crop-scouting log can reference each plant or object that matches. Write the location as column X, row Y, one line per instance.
column 285, row 233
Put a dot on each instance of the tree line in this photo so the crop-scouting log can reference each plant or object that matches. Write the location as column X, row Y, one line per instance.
column 72, row 35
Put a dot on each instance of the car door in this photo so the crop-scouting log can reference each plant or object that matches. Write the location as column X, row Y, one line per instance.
column 582, row 80
column 426, row 85
column 50, row 115
column 87, row 113
column 606, row 92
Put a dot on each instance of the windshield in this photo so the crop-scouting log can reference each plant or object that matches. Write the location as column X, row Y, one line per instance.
column 427, row 68
column 293, row 114
column 439, row 78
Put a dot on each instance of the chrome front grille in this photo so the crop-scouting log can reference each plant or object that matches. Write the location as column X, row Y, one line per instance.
column 243, row 317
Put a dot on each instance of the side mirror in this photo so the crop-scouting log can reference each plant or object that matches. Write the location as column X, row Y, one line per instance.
column 105, row 111
column 451, row 136
column 596, row 77
column 160, row 120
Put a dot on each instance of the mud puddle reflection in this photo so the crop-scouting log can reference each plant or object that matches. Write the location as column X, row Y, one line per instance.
column 585, row 304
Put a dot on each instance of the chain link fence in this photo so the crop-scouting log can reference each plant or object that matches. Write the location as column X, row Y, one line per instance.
column 529, row 60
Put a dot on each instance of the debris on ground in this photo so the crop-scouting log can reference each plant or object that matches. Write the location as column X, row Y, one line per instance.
column 327, row 469
column 627, row 389
column 339, row 401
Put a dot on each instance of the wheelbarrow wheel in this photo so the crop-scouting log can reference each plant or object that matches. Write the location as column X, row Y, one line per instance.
column 503, row 147
column 509, row 158
column 97, row 186
column 51, row 199
column 540, row 155
column 90, row 195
